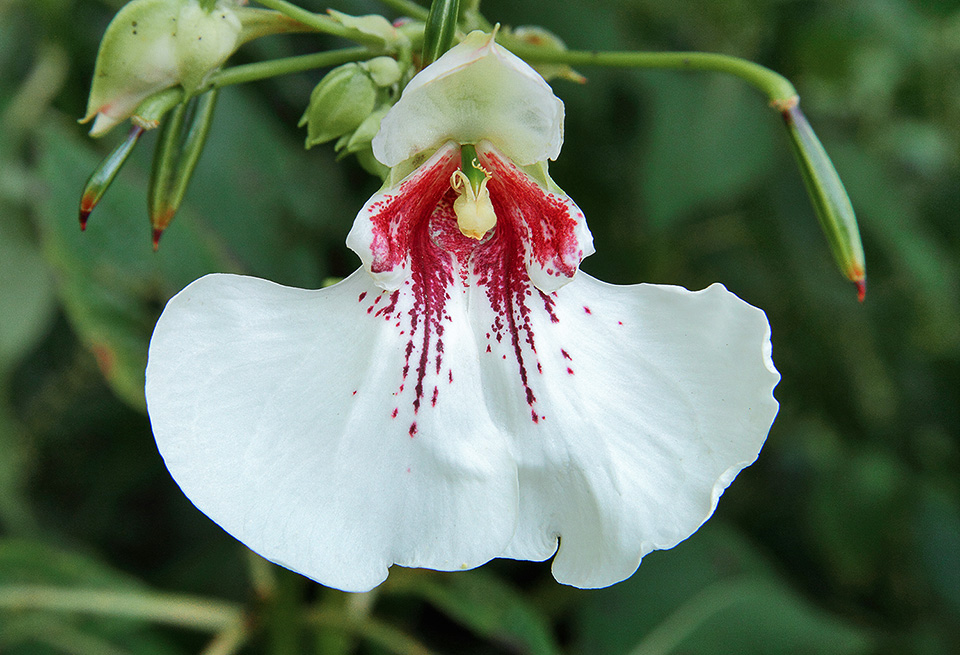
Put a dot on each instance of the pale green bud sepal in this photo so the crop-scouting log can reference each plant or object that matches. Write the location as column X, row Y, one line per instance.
column 476, row 90
column 339, row 104
column 370, row 25
column 539, row 37
column 151, row 45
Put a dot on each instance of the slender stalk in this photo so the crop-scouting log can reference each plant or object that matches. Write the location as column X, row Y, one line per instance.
column 777, row 88
column 408, row 8
column 666, row 637
column 383, row 635
column 228, row 642
column 169, row 609
column 321, row 23
column 265, row 69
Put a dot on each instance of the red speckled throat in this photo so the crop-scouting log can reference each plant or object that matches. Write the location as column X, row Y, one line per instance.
column 506, row 280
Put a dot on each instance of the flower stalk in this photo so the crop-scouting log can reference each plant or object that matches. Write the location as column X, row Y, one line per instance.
column 827, row 193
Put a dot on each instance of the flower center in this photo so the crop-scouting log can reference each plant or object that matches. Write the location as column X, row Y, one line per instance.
column 475, row 214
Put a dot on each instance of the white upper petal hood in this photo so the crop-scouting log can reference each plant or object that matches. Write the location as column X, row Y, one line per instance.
column 476, row 90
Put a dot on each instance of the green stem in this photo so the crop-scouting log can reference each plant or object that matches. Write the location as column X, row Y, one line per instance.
column 777, row 88
column 228, row 642
column 265, row 69
column 408, row 8
column 169, row 609
column 321, row 23
column 383, row 635
column 283, row 615
column 666, row 637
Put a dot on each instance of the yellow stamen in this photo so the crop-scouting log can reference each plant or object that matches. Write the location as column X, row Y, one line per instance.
column 475, row 215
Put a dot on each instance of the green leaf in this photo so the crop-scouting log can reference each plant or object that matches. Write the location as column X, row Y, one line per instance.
column 483, row 603
column 16, row 516
column 29, row 632
column 711, row 594
column 113, row 287
column 27, row 302
column 711, row 139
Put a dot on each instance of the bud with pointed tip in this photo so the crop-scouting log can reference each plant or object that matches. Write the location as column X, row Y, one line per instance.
column 151, row 45
column 339, row 104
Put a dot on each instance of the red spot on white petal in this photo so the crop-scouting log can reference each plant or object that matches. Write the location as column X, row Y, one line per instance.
column 416, row 239
column 587, row 309
column 413, row 429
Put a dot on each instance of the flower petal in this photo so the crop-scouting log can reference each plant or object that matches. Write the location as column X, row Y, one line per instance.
column 476, row 90
column 313, row 426
column 414, row 221
column 648, row 400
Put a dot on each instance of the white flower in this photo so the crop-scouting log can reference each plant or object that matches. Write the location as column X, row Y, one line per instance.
column 459, row 398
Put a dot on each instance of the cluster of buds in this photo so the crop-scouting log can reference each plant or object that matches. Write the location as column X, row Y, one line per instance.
column 349, row 103
column 157, row 56
column 152, row 45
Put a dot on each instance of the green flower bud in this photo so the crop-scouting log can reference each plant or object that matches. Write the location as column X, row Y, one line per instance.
column 549, row 42
column 384, row 71
column 339, row 104
column 363, row 135
column 151, row 45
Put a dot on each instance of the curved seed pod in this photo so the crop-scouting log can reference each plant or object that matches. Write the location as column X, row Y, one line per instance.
column 102, row 176
column 181, row 141
column 829, row 197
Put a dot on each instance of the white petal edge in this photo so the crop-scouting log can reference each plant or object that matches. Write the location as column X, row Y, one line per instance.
column 654, row 397
column 476, row 90
column 271, row 407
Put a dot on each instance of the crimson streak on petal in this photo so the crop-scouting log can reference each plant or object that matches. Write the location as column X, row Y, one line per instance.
column 414, row 233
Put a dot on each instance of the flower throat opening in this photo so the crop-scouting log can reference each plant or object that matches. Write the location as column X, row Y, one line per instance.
column 475, row 214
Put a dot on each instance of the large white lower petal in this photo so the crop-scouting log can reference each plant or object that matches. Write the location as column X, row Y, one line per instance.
column 309, row 426
column 643, row 404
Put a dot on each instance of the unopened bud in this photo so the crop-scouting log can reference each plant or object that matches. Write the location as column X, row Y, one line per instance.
column 151, row 45
column 339, row 104
column 549, row 42
column 384, row 71
column 370, row 25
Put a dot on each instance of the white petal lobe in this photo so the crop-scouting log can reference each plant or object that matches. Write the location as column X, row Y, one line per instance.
column 651, row 399
column 283, row 415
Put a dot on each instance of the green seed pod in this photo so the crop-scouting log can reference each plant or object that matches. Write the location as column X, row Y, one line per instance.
column 179, row 146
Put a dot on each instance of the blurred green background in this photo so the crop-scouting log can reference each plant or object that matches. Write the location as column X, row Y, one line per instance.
column 844, row 538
